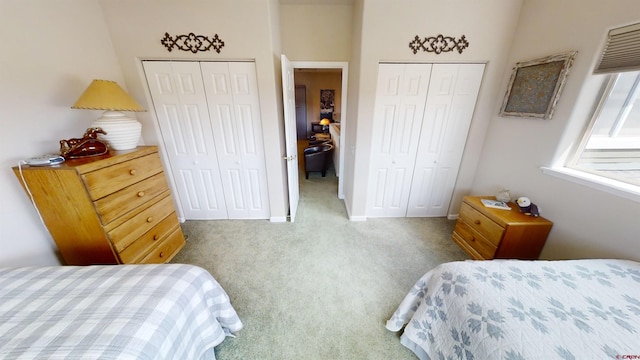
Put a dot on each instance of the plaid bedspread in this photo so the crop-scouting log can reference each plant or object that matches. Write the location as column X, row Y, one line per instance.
column 169, row 311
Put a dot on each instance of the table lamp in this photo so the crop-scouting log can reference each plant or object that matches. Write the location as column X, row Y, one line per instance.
column 122, row 132
column 325, row 124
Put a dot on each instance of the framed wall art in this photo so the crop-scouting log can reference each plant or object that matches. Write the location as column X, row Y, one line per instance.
column 535, row 86
column 327, row 103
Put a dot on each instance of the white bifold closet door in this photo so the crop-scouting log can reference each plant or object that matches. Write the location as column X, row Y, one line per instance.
column 417, row 175
column 400, row 98
column 451, row 100
column 209, row 118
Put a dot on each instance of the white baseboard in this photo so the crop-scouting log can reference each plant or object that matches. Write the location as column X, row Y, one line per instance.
column 278, row 219
column 351, row 217
column 357, row 218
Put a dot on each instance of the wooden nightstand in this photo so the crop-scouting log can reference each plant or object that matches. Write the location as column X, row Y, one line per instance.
column 110, row 209
column 486, row 233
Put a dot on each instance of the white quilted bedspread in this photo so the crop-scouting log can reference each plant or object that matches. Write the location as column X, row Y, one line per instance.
column 511, row 309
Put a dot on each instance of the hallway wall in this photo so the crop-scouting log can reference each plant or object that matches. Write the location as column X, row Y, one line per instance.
column 314, row 81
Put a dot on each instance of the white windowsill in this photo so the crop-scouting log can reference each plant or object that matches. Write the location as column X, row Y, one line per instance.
column 618, row 188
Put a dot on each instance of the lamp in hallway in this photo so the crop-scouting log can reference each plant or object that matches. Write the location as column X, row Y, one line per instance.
column 325, row 124
column 122, row 132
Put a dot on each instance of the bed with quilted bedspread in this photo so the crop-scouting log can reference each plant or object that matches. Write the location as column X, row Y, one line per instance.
column 169, row 311
column 511, row 309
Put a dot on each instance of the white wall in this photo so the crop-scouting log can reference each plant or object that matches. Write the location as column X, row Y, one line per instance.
column 349, row 130
column 315, row 32
column 388, row 27
column 587, row 222
column 249, row 33
column 315, row 81
column 50, row 53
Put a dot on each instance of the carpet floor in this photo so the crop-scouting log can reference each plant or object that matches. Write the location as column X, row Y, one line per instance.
column 323, row 286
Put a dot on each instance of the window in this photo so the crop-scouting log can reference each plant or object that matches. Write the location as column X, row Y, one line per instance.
column 611, row 145
column 608, row 157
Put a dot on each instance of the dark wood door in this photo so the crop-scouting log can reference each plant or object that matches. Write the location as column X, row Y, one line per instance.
column 301, row 112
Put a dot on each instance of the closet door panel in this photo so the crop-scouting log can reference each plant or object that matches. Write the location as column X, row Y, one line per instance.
column 448, row 112
column 377, row 189
column 244, row 86
column 180, row 106
column 232, row 96
column 400, row 97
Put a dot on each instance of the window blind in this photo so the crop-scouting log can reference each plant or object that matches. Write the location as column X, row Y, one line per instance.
column 621, row 51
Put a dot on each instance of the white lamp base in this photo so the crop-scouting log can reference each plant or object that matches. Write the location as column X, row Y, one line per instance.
column 123, row 132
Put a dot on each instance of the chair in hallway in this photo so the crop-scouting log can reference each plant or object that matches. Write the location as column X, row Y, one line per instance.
column 320, row 142
column 317, row 158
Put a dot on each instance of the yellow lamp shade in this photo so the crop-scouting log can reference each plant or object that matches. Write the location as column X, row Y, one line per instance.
column 106, row 95
column 325, row 122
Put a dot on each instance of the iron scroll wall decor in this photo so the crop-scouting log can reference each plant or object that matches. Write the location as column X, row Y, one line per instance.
column 439, row 44
column 192, row 42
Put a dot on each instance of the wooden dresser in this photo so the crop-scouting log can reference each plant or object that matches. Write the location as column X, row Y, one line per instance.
column 110, row 209
column 486, row 233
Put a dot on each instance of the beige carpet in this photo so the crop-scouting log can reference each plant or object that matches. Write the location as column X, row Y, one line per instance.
column 322, row 287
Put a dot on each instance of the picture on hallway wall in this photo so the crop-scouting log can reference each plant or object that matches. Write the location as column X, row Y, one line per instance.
column 327, row 103
column 535, row 86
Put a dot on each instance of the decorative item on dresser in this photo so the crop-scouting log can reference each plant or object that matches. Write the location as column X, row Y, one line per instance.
column 109, row 209
column 87, row 145
column 489, row 233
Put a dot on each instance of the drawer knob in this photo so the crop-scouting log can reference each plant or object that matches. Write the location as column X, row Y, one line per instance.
column 473, row 239
column 140, row 193
column 132, row 171
column 161, row 254
column 477, row 222
column 156, row 237
column 150, row 219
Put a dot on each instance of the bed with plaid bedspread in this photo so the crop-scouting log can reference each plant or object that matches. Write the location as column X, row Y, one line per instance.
column 168, row 311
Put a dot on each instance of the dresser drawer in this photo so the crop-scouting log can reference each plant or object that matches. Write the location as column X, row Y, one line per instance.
column 152, row 238
column 474, row 240
column 121, row 202
column 166, row 250
column 481, row 224
column 126, row 233
column 110, row 179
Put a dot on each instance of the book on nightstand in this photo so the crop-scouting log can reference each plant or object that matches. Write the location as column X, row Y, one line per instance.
column 495, row 204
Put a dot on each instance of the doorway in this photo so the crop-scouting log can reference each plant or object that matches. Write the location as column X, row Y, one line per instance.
column 339, row 116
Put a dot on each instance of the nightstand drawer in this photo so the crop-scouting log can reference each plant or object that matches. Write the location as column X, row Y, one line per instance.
column 485, row 248
column 166, row 250
column 108, row 180
column 481, row 224
column 125, row 234
column 466, row 247
column 121, row 202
